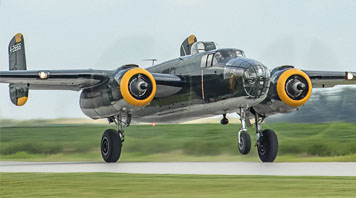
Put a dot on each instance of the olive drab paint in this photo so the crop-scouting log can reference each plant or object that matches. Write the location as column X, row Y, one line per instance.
column 17, row 61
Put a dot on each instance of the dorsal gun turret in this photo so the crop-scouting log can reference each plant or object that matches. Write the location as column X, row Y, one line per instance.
column 191, row 46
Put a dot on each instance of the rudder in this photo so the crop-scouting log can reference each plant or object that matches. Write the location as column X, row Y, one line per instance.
column 17, row 58
column 17, row 61
column 185, row 48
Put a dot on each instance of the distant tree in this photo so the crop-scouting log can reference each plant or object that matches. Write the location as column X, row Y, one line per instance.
column 325, row 105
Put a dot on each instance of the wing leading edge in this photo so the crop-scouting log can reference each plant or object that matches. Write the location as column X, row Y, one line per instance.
column 55, row 79
column 324, row 79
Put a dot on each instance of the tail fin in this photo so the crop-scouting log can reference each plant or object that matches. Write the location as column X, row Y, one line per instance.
column 17, row 61
column 185, row 48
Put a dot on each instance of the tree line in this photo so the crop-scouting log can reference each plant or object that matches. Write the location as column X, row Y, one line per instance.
column 325, row 105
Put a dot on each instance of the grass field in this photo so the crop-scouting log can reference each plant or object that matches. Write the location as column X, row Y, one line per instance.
column 196, row 142
column 142, row 185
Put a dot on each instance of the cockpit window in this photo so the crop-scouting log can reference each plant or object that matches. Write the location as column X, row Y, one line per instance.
column 223, row 56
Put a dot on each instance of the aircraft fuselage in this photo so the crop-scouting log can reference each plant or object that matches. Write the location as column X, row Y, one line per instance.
column 210, row 88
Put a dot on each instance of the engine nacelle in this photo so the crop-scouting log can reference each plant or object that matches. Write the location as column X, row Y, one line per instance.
column 290, row 88
column 130, row 87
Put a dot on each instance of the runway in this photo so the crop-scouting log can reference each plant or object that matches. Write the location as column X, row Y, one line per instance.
column 203, row 168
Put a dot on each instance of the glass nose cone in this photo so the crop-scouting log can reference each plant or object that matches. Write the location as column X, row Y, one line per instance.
column 256, row 81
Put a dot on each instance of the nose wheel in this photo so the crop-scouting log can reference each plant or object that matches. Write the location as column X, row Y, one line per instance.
column 267, row 141
column 244, row 139
column 244, row 143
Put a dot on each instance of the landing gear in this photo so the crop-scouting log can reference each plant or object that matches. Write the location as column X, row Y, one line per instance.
column 111, row 144
column 268, row 146
column 267, row 141
column 243, row 137
column 111, row 141
column 244, row 143
column 224, row 120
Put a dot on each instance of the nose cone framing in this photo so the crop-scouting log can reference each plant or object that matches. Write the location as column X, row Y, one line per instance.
column 256, row 76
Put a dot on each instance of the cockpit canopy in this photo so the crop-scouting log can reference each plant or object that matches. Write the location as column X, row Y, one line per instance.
column 223, row 56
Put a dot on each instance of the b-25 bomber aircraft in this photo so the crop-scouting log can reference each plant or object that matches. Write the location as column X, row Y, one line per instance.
column 203, row 81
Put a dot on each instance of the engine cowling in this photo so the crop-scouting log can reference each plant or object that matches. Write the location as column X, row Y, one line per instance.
column 290, row 88
column 138, row 87
column 294, row 87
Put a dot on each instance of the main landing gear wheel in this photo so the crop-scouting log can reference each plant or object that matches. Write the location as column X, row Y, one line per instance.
column 111, row 144
column 244, row 143
column 267, row 146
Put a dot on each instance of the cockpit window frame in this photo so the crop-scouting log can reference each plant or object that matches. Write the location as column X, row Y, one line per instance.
column 209, row 60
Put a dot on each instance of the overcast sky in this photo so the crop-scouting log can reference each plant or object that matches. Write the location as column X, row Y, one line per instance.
column 310, row 34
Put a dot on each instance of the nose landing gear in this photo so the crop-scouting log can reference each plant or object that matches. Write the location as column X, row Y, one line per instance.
column 243, row 137
column 244, row 143
column 267, row 141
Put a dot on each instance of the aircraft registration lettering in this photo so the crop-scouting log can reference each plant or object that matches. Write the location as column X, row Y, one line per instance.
column 15, row 48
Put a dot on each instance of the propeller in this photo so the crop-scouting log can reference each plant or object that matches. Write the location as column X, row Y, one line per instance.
column 296, row 87
column 138, row 86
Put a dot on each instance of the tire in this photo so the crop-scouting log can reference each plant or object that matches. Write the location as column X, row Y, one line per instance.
column 111, row 146
column 268, row 146
column 245, row 145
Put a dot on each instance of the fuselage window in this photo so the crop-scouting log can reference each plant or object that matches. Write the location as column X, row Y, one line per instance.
column 212, row 59
column 209, row 60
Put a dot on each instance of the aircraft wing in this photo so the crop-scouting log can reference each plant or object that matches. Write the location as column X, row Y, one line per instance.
column 54, row 79
column 79, row 79
column 168, row 84
column 324, row 79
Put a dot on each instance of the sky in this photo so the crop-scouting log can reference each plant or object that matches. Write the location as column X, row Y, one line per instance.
column 102, row 34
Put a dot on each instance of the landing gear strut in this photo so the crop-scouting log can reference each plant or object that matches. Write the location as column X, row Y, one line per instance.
column 111, row 141
column 243, row 137
column 267, row 141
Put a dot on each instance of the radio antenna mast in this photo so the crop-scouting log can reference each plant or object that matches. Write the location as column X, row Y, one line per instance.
column 151, row 59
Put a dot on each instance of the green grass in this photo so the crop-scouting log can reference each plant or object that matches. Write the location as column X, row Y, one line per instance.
column 143, row 185
column 196, row 142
